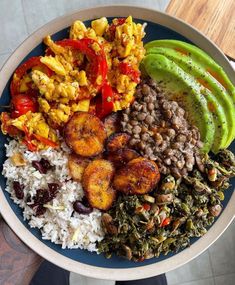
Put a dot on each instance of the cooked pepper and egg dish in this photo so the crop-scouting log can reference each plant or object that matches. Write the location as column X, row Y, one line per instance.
column 117, row 146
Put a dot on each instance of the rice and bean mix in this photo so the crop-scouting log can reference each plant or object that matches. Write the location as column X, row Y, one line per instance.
column 104, row 161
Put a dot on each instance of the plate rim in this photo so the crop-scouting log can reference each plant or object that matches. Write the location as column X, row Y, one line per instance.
column 43, row 250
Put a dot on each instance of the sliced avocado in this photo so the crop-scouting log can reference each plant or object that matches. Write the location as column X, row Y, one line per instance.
column 198, row 55
column 226, row 115
column 180, row 87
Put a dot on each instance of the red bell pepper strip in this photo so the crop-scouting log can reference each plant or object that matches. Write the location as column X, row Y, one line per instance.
column 31, row 146
column 22, row 103
column 104, row 106
column 165, row 222
column 112, row 27
column 97, row 60
column 28, row 140
column 23, row 69
column 127, row 69
column 146, row 206
column 45, row 141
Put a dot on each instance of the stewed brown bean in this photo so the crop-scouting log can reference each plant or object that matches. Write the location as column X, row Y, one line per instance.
column 160, row 131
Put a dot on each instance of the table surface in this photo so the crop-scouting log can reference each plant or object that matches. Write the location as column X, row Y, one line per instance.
column 214, row 18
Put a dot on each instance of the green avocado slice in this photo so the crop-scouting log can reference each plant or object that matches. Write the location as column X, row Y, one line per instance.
column 180, row 87
column 225, row 113
column 201, row 57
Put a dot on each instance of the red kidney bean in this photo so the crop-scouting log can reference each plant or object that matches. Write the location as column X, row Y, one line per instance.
column 53, row 187
column 39, row 210
column 81, row 209
column 18, row 188
column 46, row 195
column 42, row 166
column 45, row 164
column 42, row 196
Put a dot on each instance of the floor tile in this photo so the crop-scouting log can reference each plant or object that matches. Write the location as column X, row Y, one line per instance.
column 156, row 4
column 36, row 16
column 163, row 4
column 199, row 268
column 76, row 279
column 222, row 253
column 227, row 279
column 12, row 23
column 208, row 281
column 38, row 13
column 3, row 58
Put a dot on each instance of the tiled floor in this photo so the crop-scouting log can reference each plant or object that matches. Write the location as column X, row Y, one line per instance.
column 19, row 18
column 215, row 266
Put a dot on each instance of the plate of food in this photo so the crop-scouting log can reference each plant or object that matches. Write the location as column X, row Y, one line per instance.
column 117, row 142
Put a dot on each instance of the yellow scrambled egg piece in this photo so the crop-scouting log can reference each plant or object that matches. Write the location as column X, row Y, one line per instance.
column 99, row 26
column 36, row 125
column 77, row 30
column 82, row 78
column 53, row 90
column 54, row 64
column 60, row 115
column 23, row 84
column 82, row 106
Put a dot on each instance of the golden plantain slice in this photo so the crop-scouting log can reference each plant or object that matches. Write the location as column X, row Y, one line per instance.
column 139, row 176
column 117, row 141
column 96, row 182
column 85, row 134
column 112, row 123
column 122, row 156
column 76, row 166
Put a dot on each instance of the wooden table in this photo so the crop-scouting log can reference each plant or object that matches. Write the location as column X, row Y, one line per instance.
column 214, row 18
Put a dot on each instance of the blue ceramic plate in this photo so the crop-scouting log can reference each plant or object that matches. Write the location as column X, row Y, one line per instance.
column 160, row 26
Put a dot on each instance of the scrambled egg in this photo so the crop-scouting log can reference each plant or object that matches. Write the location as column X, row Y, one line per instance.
column 127, row 46
column 34, row 124
column 69, row 88
column 63, row 87
column 53, row 90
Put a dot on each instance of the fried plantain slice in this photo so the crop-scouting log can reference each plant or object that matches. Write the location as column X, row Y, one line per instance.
column 122, row 156
column 112, row 123
column 139, row 176
column 76, row 166
column 96, row 182
column 117, row 141
column 85, row 134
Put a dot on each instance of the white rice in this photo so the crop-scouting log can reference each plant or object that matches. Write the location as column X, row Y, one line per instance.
column 57, row 224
